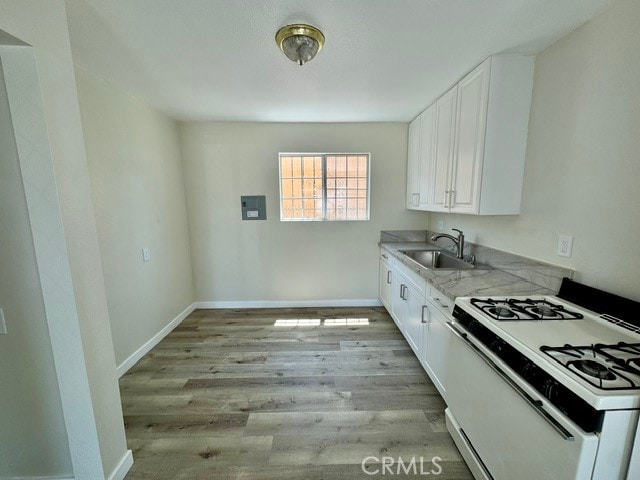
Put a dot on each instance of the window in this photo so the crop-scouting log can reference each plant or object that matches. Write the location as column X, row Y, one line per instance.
column 324, row 186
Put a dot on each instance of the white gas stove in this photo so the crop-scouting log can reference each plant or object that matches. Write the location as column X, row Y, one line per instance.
column 572, row 359
column 596, row 359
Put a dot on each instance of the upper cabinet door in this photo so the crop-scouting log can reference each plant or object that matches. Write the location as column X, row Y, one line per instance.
column 471, row 121
column 413, row 165
column 444, row 149
column 427, row 153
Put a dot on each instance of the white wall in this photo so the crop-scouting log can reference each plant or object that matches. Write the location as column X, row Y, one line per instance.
column 583, row 166
column 42, row 24
column 237, row 260
column 34, row 439
column 138, row 193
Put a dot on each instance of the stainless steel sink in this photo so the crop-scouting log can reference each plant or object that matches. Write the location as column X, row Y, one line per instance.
column 437, row 260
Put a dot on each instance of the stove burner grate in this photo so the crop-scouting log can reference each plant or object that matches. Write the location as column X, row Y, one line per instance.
column 501, row 312
column 608, row 367
column 527, row 309
column 544, row 311
column 595, row 369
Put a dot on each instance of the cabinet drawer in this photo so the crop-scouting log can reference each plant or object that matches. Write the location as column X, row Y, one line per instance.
column 385, row 256
column 419, row 283
column 440, row 300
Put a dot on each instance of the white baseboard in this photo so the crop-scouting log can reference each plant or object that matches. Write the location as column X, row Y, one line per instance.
column 367, row 302
column 123, row 467
column 142, row 351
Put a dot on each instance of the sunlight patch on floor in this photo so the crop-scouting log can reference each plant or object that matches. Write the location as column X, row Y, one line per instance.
column 316, row 322
column 302, row 322
column 334, row 322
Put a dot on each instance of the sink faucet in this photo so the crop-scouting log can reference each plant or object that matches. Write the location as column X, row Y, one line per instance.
column 459, row 241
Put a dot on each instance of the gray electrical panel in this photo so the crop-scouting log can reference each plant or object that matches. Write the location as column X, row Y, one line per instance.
column 254, row 207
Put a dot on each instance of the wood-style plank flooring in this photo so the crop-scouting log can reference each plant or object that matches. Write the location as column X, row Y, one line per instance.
column 230, row 395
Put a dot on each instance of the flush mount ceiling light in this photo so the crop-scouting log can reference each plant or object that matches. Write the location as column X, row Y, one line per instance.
column 300, row 42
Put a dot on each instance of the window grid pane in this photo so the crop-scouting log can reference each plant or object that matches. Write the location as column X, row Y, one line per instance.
column 305, row 197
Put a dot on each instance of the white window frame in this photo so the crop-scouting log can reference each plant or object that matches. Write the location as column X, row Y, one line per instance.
column 324, row 185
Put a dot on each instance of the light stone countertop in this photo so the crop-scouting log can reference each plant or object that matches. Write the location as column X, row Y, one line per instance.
column 487, row 281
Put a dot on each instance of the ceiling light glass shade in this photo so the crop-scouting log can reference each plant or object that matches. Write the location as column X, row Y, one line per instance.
column 300, row 43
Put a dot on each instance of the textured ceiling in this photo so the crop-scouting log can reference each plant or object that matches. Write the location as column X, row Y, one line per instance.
column 384, row 60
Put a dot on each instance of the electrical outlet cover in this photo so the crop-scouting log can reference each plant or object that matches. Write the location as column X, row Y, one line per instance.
column 565, row 246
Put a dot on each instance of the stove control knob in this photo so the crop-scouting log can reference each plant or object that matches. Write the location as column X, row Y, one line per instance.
column 551, row 389
column 498, row 346
column 527, row 370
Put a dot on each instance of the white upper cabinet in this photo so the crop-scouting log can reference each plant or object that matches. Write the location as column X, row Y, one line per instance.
column 478, row 142
column 440, row 176
column 420, row 155
column 427, row 152
column 471, row 116
column 413, row 164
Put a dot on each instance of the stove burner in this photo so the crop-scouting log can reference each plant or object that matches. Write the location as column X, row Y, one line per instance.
column 544, row 311
column 501, row 312
column 607, row 367
column 595, row 369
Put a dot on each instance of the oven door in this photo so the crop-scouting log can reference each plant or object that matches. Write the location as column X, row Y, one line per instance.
column 511, row 430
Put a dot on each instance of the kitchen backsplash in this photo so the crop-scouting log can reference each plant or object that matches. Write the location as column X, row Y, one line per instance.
column 402, row 236
column 540, row 273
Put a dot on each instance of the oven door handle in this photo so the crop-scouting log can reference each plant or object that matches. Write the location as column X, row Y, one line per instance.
column 536, row 404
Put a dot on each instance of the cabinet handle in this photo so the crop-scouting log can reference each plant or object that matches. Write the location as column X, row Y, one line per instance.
column 385, row 257
column 444, row 201
column 405, row 292
column 440, row 302
column 402, row 291
column 389, row 277
column 422, row 317
column 417, row 199
column 452, row 198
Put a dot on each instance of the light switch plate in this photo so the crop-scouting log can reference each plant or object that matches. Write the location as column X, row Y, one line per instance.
column 3, row 323
column 146, row 255
column 565, row 246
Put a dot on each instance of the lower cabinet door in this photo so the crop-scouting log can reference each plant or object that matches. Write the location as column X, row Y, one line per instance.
column 434, row 358
column 413, row 325
column 385, row 285
column 398, row 307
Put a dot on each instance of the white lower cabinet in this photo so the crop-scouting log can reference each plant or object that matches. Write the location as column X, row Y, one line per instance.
column 412, row 321
column 436, row 339
column 385, row 283
column 398, row 307
column 423, row 323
